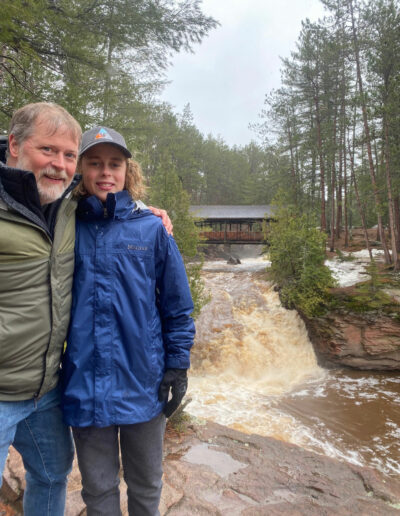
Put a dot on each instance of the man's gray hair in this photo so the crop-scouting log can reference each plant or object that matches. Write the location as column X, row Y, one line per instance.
column 23, row 121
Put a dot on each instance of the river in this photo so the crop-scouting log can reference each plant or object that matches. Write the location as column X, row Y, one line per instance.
column 254, row 369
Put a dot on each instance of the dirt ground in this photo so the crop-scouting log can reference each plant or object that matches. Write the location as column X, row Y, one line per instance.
column 356, row 241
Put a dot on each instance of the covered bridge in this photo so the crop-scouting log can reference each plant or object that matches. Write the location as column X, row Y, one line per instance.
column 232, row 223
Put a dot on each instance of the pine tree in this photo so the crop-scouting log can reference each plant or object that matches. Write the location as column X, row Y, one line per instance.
column 95, row 58
column 167, row 192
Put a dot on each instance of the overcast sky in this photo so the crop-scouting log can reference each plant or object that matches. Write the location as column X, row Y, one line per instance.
column 226, row 79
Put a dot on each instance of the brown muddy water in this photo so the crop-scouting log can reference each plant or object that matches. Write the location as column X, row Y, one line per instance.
column 254, row 369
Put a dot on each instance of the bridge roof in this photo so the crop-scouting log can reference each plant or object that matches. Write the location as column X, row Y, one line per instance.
column 231, row 211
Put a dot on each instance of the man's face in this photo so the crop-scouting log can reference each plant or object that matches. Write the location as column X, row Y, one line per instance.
column 52, row 158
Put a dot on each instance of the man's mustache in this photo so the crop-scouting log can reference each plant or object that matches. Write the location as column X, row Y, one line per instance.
column 52, row 173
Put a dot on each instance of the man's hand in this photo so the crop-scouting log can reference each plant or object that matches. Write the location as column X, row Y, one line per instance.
column 176, row 380
column 164, row 217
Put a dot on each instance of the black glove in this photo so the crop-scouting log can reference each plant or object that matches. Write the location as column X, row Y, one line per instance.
column 176, row 380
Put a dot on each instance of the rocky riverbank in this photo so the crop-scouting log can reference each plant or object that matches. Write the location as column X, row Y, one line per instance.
column 212, row 470
column 361, row 328
column 357, row 335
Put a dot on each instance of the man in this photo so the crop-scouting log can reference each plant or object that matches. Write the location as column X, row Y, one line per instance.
column 36, row 266
column 37, row 233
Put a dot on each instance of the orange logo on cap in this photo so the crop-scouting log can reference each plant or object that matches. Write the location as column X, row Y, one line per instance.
column 102, row 134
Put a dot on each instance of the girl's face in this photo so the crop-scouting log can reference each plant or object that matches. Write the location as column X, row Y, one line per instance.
column 103, row 170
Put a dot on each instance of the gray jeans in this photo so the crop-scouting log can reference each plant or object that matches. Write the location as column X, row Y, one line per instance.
column 98, row 458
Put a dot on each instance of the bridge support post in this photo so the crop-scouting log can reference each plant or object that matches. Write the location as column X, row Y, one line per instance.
column 227, row 248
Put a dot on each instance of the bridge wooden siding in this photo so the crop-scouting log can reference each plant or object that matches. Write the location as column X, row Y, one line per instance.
column 231, row 223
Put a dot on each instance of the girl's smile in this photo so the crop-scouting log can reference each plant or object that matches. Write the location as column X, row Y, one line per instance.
column 104, row 170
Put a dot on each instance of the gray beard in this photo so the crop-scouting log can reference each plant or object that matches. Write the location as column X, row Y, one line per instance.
column 50, row 193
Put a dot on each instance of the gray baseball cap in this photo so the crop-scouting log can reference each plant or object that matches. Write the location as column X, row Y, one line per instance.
column 101, row 134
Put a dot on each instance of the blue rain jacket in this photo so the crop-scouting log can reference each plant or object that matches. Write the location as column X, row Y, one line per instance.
column 130, row 318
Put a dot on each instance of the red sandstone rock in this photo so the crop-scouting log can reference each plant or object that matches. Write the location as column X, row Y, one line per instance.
column 362, row 341
column 212, row 470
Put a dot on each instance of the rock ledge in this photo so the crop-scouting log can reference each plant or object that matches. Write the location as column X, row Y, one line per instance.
column 213, row 470
column 362, row 341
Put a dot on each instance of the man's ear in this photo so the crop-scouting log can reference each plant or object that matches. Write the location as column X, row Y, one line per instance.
column 13, row 148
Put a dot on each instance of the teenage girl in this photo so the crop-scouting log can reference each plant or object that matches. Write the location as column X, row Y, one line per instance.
column 130, row 334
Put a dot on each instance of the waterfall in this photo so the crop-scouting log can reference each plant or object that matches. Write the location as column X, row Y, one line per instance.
column 248, row 351
column 254, row 370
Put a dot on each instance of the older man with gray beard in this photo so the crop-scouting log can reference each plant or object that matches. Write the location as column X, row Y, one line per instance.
column 37, row 232
column 37, row 236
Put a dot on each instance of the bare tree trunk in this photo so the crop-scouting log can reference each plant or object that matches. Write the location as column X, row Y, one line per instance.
column 393, row 233
column 321, row 165
column 313, row 178
column 396, row 205
column 292, row 163
column 342, row 150
column 339, row 193
column 359, row 204
column 313, row 167
column 333, row 184
column 346, row 216
column 368, row 139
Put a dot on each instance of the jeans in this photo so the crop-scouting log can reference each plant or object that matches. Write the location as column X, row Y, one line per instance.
column 36, row 430
column 97, row 450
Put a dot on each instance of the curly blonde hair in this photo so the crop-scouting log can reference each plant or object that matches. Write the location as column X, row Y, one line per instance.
column 134, row 180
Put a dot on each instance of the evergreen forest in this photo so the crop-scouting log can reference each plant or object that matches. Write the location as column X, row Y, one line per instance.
column 328, row 137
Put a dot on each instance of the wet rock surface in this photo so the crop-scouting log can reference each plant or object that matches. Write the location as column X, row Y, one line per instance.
column 233, row 260
column 212, row 470
column 363, row 341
